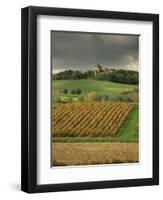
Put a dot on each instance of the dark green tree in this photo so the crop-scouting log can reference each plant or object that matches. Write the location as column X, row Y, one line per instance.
column 65, row 91
column 78, row 91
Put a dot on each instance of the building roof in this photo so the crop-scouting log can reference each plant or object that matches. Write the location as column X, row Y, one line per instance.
column 98, row 66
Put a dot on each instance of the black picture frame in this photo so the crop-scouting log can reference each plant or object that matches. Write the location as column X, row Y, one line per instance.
column 29, row 99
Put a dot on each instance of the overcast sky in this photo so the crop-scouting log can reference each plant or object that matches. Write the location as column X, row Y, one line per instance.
column 82, row 51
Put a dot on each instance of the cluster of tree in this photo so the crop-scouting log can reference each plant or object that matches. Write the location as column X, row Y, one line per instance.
column 119, row 76
column 74, row 91
column 73, row 75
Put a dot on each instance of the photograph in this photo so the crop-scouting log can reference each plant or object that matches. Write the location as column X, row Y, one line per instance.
column 94, row 98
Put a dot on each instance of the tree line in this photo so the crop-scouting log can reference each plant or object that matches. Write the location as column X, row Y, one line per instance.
column 114, row 75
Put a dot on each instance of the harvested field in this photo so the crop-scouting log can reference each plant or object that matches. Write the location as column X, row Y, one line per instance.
column 94, row 153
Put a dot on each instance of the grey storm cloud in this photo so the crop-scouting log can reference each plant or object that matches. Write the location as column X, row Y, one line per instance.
column 81, row 51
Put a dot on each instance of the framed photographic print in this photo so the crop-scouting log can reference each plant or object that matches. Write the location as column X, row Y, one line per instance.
column 90, row 99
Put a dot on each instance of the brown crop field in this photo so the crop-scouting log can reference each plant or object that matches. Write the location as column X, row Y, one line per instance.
column 93, row 119
column 64, row 154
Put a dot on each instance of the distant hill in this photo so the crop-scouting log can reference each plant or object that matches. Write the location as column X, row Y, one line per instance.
column 114, row 75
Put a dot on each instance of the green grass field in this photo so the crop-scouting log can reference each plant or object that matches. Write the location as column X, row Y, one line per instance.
column 128, row 132
column 86, row 86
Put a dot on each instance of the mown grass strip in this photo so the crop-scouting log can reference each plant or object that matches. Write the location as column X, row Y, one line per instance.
column 130, row 129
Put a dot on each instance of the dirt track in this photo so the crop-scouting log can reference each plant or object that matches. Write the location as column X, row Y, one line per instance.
column 94, row 153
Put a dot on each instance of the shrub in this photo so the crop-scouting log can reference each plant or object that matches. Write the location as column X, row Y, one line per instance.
column 65, row 91
column 92, row 96
column 73, row 92
column 81, row 98
column 78, row 91
column 57, row 99
column 103, row 98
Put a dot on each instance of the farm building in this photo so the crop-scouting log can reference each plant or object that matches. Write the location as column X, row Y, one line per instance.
column 98, row 68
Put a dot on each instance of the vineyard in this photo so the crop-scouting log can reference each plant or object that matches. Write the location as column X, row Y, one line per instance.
column 90, row 119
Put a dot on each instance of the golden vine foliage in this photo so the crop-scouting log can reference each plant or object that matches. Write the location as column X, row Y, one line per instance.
column 92, row 119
